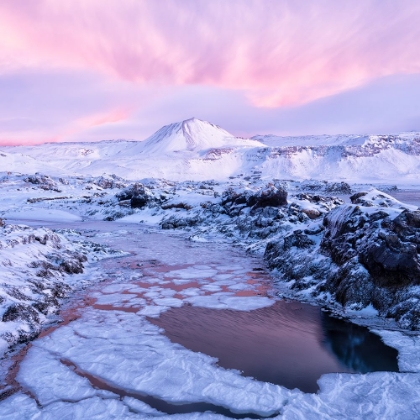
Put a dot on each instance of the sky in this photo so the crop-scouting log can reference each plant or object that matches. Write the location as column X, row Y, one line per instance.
column 90, row 70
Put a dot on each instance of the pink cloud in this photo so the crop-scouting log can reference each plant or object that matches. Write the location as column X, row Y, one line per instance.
column 66, row 132
column 278, row 52
column 87, row 122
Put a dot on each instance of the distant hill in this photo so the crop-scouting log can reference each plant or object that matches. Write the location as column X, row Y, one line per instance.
column 196, row 149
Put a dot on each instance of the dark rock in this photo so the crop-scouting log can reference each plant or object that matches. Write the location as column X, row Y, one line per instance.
column 365, row 257
column 354, row 198
column 20, row 312
column 298, row 239
column 139, row 201
column 72, row 267
column 270, row 196
column 388, row 250
column 183, row 206
column 338, row 187
column 138, row 194
column 132, row 190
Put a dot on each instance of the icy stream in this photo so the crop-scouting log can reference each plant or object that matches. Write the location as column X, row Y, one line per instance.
column 170, row 329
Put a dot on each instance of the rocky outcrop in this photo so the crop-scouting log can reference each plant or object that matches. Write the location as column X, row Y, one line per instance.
column 363, row 256
column 338, row 188
column 43, row 181
column 270, row 196
column 36, row 266
column 110, row 182
column 138, row 194
column 387, row 247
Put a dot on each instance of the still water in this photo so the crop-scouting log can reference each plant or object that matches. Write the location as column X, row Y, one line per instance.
column 289, row 343
column 202, row 296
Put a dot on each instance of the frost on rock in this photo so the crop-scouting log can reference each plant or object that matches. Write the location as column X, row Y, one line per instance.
column 363, row 256
column 35, row 268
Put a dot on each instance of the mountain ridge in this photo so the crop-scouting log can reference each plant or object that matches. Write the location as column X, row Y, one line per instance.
column 199, row 150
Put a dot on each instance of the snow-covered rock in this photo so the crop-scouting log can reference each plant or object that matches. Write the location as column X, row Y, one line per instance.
column 362, row 256
column 37, row 270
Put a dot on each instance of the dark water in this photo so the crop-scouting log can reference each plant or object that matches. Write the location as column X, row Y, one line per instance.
column 290, row 343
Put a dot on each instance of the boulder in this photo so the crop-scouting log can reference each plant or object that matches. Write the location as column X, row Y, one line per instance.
column 388, row 248
column 271, row 195
column 137, row 193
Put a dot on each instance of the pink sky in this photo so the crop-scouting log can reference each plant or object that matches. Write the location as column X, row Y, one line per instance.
column 90, row 70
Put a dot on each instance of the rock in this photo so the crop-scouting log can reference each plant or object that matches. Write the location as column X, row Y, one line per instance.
column 109, row 183
column 271, row 195
column 139, row 201
column 20, row 312
column 298, row 239
column 181, row 205
column 338, row 187
column 312, row 213
column 393, row 258
column 387, row 248
column 138, row 194
column 355, row 197
column 365, row 257
column 43, row 181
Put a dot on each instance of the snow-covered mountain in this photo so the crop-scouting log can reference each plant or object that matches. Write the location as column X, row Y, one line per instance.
column 196, row 149
column 193, row 135
column 374, row 158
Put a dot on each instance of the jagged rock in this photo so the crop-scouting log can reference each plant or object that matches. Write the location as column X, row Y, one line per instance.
column 131, row 191
column 338, row 187
column 374, row 197
column 355, row 197
column 272, row 195
column 181, row 205
column 43, row 181
column 20, row 312
column 138, row 194
column 327, row 201
column 387, row 248
column 298, row 239
column 139, row 201
column 108, row 183
column 367, row 256
column 174, row 222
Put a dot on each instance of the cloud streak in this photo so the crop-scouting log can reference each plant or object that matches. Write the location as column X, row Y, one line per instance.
column 278, row 52
column 88, row 70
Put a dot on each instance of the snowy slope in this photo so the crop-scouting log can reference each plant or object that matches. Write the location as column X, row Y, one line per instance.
column 195, row 149
column 192, row 135
column 311, row 140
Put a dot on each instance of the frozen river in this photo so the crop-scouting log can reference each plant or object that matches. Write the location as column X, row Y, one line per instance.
column 183, row 329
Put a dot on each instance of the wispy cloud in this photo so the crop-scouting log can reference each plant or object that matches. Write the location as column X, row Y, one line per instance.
column 280, row 52
column 108, row 61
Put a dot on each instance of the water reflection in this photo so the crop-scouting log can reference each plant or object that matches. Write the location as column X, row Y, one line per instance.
column 356, row 348
column 289, row 343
